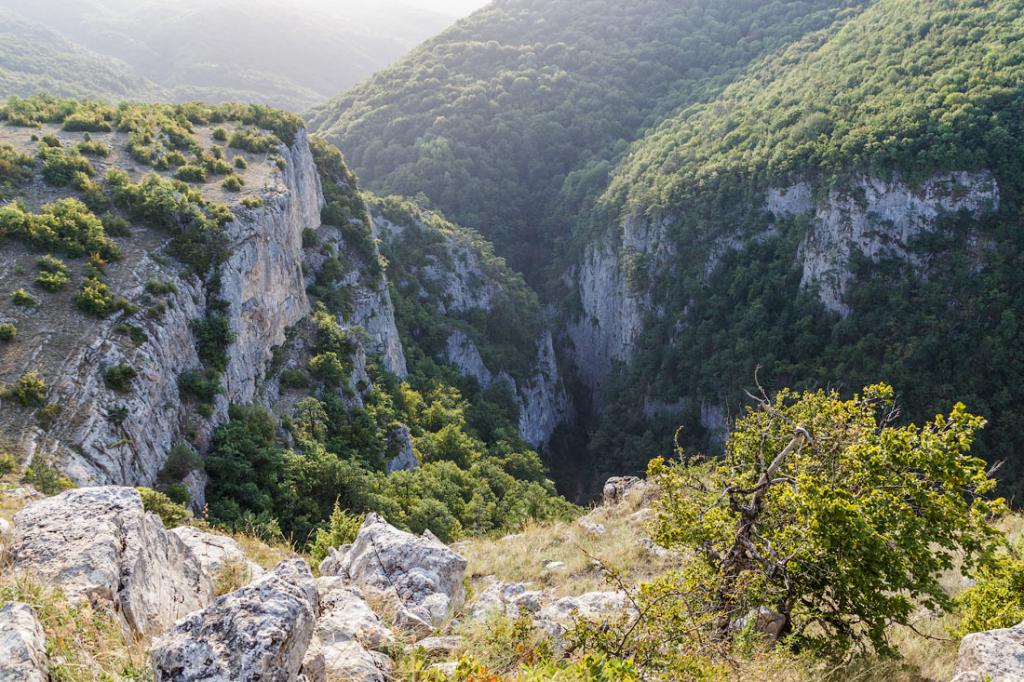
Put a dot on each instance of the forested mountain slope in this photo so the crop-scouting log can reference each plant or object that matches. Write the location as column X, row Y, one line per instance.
column 850, row 209
column 511, row 120
column 289, row 55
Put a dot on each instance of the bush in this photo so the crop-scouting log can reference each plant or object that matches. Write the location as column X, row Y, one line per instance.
column 309, row 238
column 294, row 378
column 7, row 332
column 252, row 202
column 220, row 134
column 170, row 512
column 46, row 479
column 157, row 288
column 252, row 140
column 93, row 148
column 181, row 461
column 191, row 172
column 240, row 163
column 119, row 377
column 29, row 389
column 67, row 225
column 94, row 298
column 995, row 601
column 20, row 297
column 8, row 464
column 233, row 183
column 54, row 275
column 202, row 385
column 341, row 530
column 328, row 368
column 60, row 165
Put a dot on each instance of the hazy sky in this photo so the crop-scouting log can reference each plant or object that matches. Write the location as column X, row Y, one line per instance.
column 455, row 7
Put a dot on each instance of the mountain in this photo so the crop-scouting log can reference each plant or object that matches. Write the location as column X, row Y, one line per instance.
column 198, row 298
column 35, row 59
column 824, row 191
column 511, row 120
column 292, row 55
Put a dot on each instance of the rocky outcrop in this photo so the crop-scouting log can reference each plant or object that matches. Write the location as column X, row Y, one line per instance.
column 22, row 645
column 403, row 457
column 350, row 635
column 263, row 289
column 420, row 576
column 100, row 544
column 617, row 488
column 506, row 599
column 877, row 218
column 611, row 280
column 992, row 656
column 259, row 632
column 216, row 553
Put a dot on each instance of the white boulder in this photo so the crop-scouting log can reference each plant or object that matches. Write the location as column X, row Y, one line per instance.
column 215, row 552
column 992, row 656
column 100, row 544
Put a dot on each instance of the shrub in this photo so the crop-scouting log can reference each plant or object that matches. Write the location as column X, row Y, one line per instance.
column 252, row 202
column 181, row 461
column 93, row 148
column 8, row 464
column 20, row 297
column 29, row 389
column 60, row 165
column 191, row 172
column 8, row 331
column 220, row 134
column 67, row 225
column 94, row 298
column 47, row 414
column 240, row 163
column 157, row 288
column 309, row 238
column 134, row 332
column 341, row 529
column 170, row 512
column 252, row 140
column 996, row 600
column 119, row 377
column 45, row 478
column 202, row 385
column 115, row 225
column 328, row 368
column 233, row 183
column 54, row 275
column 294, row 378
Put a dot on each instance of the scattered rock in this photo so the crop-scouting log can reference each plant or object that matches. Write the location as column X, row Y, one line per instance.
column 5, row 527
column 22, row 645
column 100, row 544
column 215, row 552
column 617, row 488
column 992, row 656
column 656, row 549
column 767, row 622
column 589, row 606
column 421, row 575
column 553, row 566
column 438, row 646
column 259, row 632
column 509, row 599
column 332, row 565
column 591, row 527
column 446, row 669
column 351, row 662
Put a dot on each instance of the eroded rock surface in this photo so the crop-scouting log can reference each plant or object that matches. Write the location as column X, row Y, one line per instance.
column 215, row 552
column 22, row 645
column 259, row 632
column 992, row 656
column 100, row 544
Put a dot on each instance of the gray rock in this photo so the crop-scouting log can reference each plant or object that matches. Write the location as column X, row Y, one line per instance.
column 420, row 575
column 764, row 620
column 992, row 656
column 99, row 544
column 400, row 443
column 259, row 632
column 22, row 645
column 351, row 662
column 592, row 527
column 617, row 488
column 215, row 552
column 589, row 606
column 508, row 599
column 438, row 646
column 345, row 616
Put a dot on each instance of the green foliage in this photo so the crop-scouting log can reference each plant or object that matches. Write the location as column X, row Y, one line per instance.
column 220, row 134
column 66, row 225
column 233, row 183
column 23, row 299
column 213, row 336
column 170, row 512
column 240, row 163
column 92, row 147
column 119, row 377
column 181, row 461
column 8, row 330
column 157, row 288
column 8, row 464
column 252, row 202
column 328, row 368
column 60, row 165
column 29, row 389
column 341, row 530
column 202, row 385
column 94, row 298
column 823, row 510
column 54, row 273
column 45, row 478
column 511, row 121
column 294, row 378
column 15, row 169
column 253, row 141
column 996, row 600
column 191, row 173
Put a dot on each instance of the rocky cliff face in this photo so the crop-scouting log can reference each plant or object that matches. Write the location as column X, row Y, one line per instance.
column 261, row 283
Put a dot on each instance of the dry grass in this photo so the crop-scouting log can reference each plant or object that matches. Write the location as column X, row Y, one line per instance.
column 522, row 557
